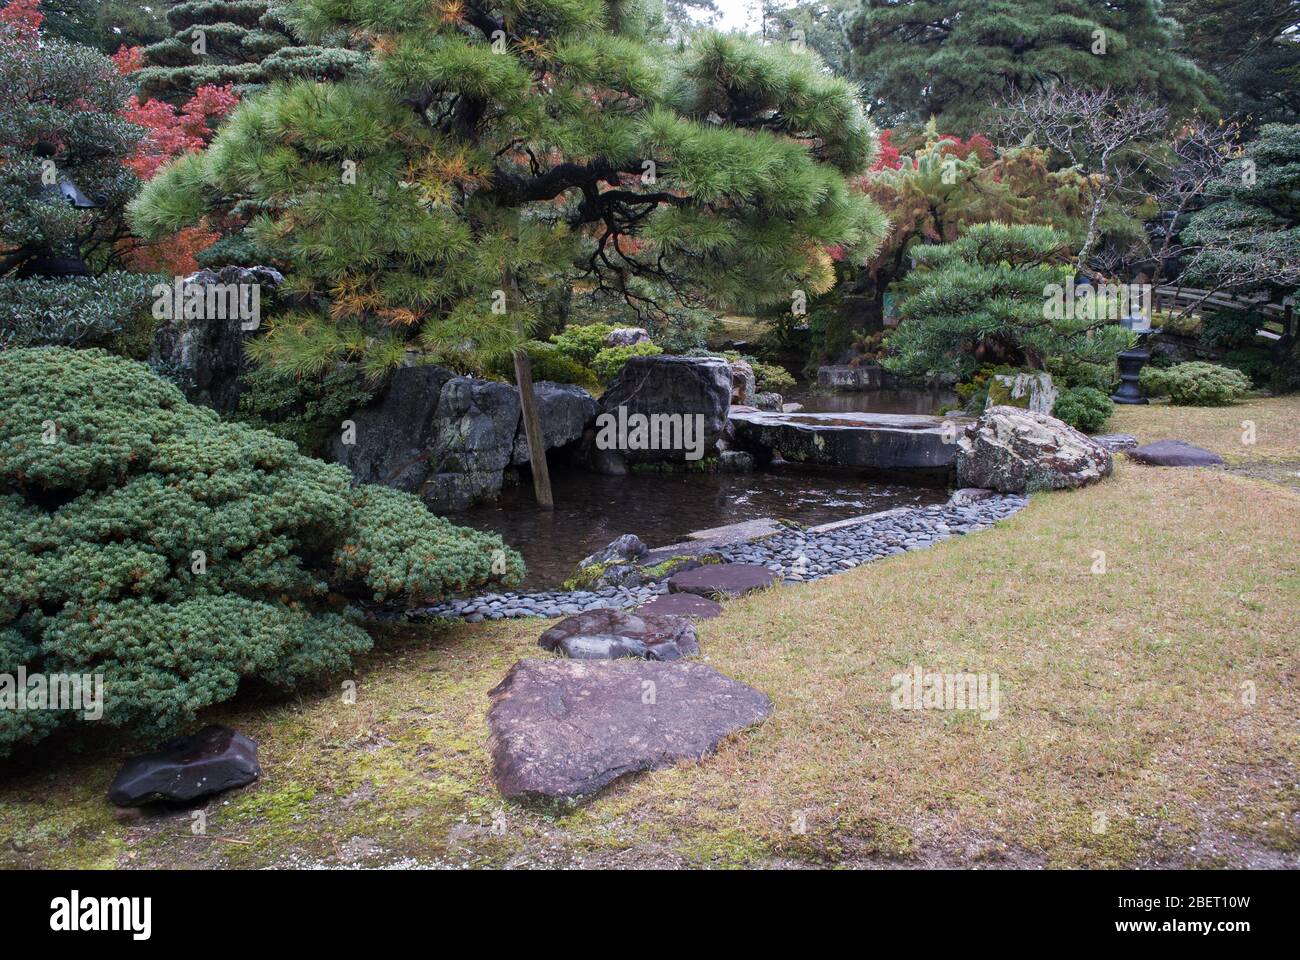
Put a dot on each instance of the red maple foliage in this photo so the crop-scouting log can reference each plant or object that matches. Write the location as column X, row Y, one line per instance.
column 128, row 59
column 176, row 256
column 21, row 20
column 173, row 132
column 888, row 157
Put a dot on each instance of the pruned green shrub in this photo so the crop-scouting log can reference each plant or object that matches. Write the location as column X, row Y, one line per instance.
column 581, row 344
column 1084, row 408
column 550, row 363
column 1196, row 384
column 610, row 360
column 145, row 540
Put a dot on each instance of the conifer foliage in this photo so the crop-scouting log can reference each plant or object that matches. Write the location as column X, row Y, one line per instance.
column 240, row 43
column 499, row 151
column 953, row 59
column 992, row 286
column 144, row 539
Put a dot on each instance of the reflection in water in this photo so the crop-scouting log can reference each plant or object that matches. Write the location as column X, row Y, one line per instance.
column 591, row 510
column 885, row 400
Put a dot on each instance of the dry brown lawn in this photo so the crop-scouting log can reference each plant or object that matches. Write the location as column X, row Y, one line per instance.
column 1147, row 716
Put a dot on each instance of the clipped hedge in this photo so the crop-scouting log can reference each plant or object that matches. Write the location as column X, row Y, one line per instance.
column 1084, row 408
column 176, row 555
column 1196, row 384
column 609, row 362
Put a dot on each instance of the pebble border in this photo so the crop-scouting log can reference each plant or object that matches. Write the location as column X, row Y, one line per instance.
column 797, row 555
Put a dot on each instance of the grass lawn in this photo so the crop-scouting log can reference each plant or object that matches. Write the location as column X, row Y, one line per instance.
column 1127, row 734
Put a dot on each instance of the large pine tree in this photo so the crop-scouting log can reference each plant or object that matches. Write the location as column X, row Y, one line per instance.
column 499, row 150
column 953, row 59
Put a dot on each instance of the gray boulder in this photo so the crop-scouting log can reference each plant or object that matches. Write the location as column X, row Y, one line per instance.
column 743, row 383
column 450, row 439
column 205, row 355
column 625, row 549
column 1014, row 451
column 626, row 337
column 393, row 438
column 185, row 769
column 688, row 386
column 770, row 401
column 565, row 729
column 1116, row 442
column 565, row 409
column 735, row 461
column 475, row 427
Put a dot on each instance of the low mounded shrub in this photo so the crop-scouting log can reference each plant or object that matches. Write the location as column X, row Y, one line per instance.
column 581, row 344
column 1196, row 384
column 610, row 360
column 549, row 362
column 144, row 539
column 1084, row 408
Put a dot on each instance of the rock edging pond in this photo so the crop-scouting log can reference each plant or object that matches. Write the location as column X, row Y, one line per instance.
column 796, row 554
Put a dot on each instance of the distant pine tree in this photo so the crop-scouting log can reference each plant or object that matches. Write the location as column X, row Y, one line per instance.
column 954, row 59
column 245, row 43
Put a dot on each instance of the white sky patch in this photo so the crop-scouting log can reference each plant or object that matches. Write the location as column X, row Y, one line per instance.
column 743, row 16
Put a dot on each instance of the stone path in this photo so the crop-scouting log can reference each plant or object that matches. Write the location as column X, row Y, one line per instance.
column 798, row 555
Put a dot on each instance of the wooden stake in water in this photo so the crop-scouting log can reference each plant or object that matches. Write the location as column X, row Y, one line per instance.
column 533, row 429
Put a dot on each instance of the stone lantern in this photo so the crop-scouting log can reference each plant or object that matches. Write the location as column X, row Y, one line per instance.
column 1132, row 361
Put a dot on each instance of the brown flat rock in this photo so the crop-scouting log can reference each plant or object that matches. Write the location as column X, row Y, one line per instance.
column 564, row 729
column 722, row 579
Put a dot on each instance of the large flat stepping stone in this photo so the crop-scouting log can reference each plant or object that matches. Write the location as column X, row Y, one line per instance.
column 1174, row 453
column 682, row 605
column 565, row 729
column 608, row 634
column 186, row 768
column 722, row 580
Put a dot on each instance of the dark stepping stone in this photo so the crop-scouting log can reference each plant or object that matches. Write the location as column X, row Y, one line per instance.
column 184, row 769
column 610, row 634
column 564, row 729
column 1174, row 453
column 682, row 605
column 722, row 579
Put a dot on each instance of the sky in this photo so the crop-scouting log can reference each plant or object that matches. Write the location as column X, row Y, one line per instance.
column 738, row 14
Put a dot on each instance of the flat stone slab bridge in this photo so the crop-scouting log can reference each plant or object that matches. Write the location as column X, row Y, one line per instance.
column 867, row 441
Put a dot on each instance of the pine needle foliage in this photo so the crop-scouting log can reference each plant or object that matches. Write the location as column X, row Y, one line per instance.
column 955, row 59
column 992, row 285
column 495, row 153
